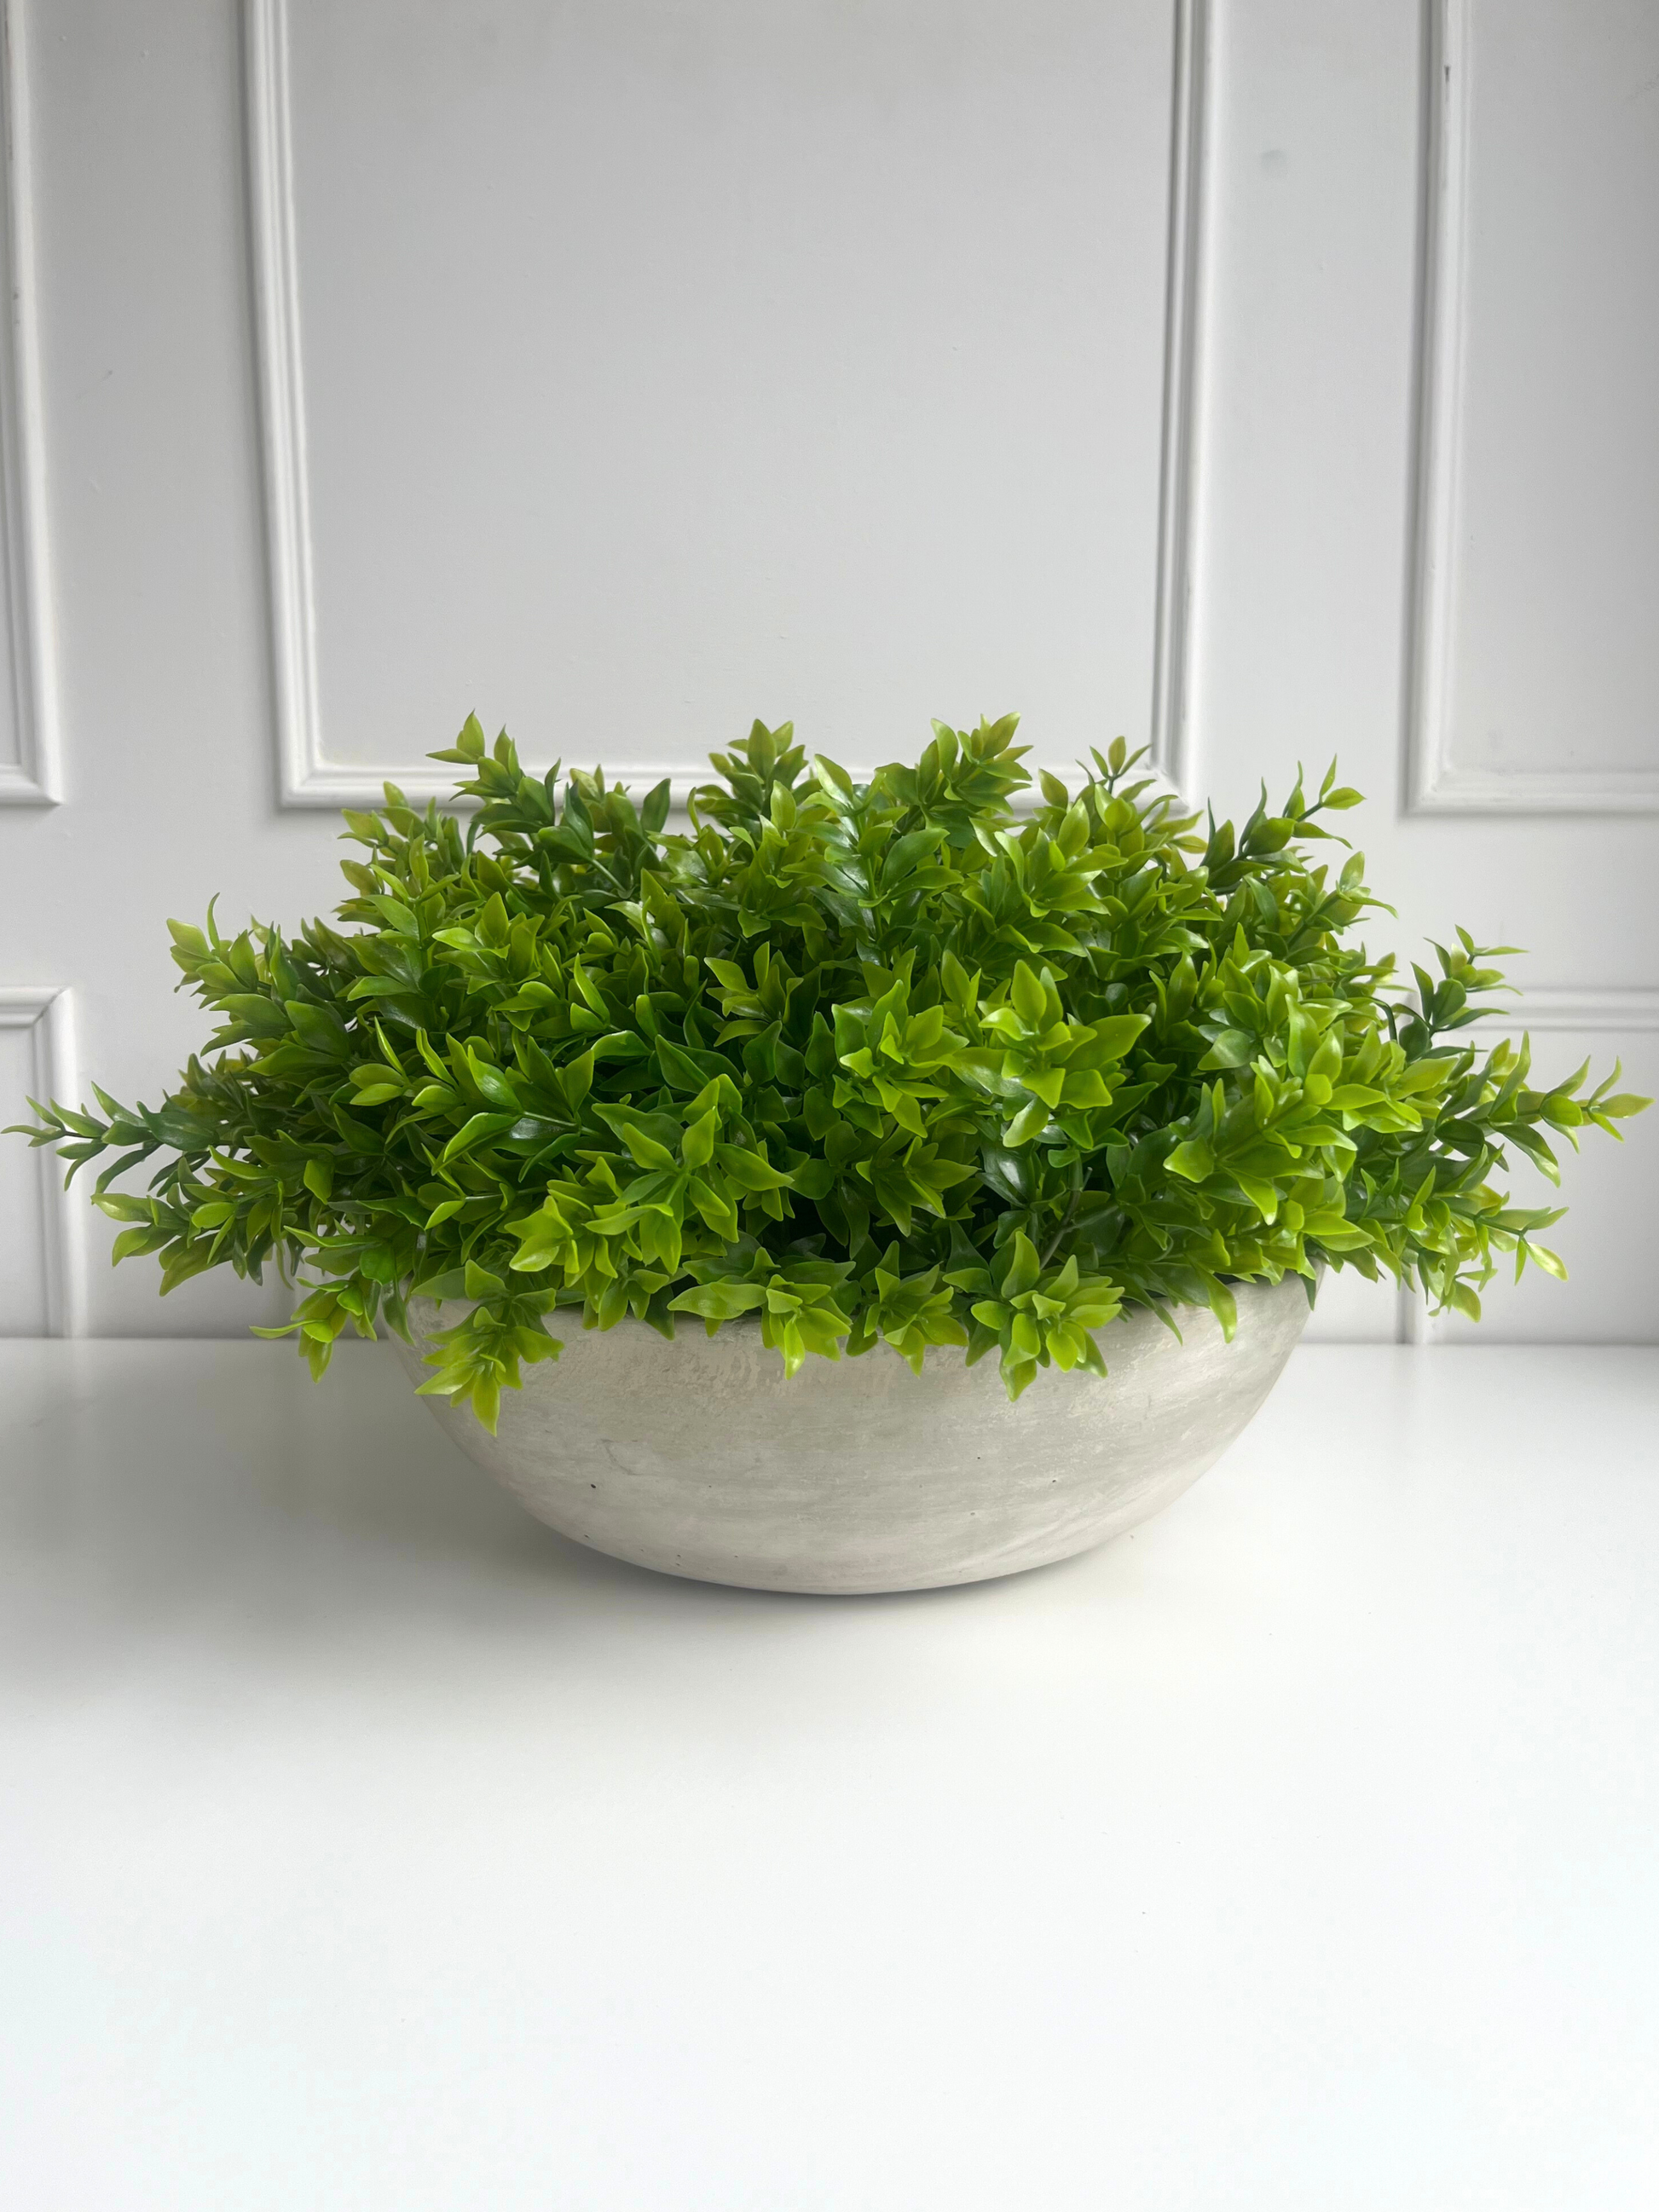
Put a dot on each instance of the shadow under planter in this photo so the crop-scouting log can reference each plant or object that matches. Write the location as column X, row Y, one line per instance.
column 697, row 1457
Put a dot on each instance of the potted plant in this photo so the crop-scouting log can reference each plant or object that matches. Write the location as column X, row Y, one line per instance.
column 993, row 1160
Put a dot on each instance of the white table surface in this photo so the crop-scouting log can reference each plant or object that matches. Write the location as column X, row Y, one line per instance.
column 366, row 1845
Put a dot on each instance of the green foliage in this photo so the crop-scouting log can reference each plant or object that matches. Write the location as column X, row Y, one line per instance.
column 870, row 1061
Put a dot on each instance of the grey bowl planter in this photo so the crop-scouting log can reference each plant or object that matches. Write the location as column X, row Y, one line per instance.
column 697, row 1457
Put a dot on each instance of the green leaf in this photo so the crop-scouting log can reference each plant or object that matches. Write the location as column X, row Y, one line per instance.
column 474, row 1132
column 1115, row 1035
column 1232, row 1048
column 319, row 1028
column 1192, row 1159
column 1030, row 1001
column 720, row 1301
column 750, row 1172
column 697, row 1145
column 1024, row 1266
column 680, row 1071
column 493, row 927
column 131, row 1242
column 493, row 1085
column 1031, row 1121
column 259, row 1016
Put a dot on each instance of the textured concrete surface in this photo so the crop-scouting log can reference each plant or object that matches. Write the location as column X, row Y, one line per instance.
column 697, row 1457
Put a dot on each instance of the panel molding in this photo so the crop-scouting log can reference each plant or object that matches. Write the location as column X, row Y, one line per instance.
column 35, row 778
column 306, row 775
column 1434, row 784
column 1171, row 741
column 48, row 1017
column 302, row 772
column 1597, row 1011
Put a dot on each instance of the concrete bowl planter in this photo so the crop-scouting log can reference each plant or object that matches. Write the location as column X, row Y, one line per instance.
column 696, row 1457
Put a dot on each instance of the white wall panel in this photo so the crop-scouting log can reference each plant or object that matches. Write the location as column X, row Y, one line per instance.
column 40, row 1228
column 1304, row 400
column 23, row 1305
column 632, row 370
column 1537, row 683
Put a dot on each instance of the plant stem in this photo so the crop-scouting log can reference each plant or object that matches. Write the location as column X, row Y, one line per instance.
column 1069, row 1217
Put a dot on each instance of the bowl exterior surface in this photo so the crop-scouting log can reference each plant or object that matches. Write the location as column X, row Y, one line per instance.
column 697, row 1457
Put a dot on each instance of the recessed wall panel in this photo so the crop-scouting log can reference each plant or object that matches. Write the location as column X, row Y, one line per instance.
column 25, row 1306
column 1552, row 353
column 662, row 367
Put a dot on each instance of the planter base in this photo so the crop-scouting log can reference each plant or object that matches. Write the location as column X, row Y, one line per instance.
column 696, row 1457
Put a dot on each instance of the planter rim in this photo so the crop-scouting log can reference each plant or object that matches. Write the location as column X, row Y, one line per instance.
column 692, row 1324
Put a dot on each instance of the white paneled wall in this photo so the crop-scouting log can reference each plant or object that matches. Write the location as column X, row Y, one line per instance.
column 1261, row 377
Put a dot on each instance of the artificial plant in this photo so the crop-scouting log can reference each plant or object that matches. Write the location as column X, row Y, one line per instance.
column 881, row 1061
